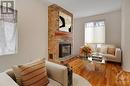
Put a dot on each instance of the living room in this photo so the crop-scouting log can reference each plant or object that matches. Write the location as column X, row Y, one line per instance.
column 31, row 42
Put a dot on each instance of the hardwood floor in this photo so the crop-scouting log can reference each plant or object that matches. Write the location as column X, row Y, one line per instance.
column 109, row 74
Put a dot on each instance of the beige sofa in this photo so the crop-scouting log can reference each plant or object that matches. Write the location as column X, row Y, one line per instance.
column 58, row 76
column 116, row 57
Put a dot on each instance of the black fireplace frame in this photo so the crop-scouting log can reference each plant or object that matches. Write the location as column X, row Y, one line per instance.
column 61, row 54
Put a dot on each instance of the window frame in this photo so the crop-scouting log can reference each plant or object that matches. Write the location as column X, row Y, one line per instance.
column 95, row 21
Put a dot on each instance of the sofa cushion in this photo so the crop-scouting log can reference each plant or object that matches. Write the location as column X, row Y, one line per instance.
column 108, row 55
column 111, row 51
column 31, row 74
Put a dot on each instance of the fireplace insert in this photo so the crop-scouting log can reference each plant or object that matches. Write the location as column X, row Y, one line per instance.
column 64, row 49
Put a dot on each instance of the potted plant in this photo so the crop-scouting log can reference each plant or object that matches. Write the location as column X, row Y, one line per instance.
column 86, row 50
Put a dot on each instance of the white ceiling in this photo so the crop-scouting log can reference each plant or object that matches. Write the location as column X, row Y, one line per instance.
column 83, row 8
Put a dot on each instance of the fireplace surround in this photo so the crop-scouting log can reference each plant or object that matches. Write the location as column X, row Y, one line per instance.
column 64, row 50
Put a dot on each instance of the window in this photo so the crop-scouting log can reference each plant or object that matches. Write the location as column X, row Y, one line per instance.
column 95, row 32
column 8, row 33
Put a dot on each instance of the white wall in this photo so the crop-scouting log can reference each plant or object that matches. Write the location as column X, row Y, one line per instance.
column 113, row 29
column 126, row 34
column 33, row 33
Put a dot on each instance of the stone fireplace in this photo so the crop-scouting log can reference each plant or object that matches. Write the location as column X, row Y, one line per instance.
column 60, row 37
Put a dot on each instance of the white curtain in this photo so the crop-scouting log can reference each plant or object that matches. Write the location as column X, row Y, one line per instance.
column 95, row 32
column 8, row 38
column 8, row 33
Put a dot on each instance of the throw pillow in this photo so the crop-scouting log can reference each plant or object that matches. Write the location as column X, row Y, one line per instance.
column 111, row 51
column 31, row 74
column 103, row 49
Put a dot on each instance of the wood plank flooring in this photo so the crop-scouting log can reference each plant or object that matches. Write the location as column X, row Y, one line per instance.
column 109, row 74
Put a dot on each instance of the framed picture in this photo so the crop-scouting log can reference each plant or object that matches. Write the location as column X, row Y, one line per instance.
column 64, row 22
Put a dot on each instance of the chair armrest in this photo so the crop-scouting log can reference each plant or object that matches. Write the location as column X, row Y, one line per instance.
column 57, row 72
column 118, row 53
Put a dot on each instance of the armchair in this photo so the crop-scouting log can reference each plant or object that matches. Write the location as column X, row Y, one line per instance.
column 58, row 76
